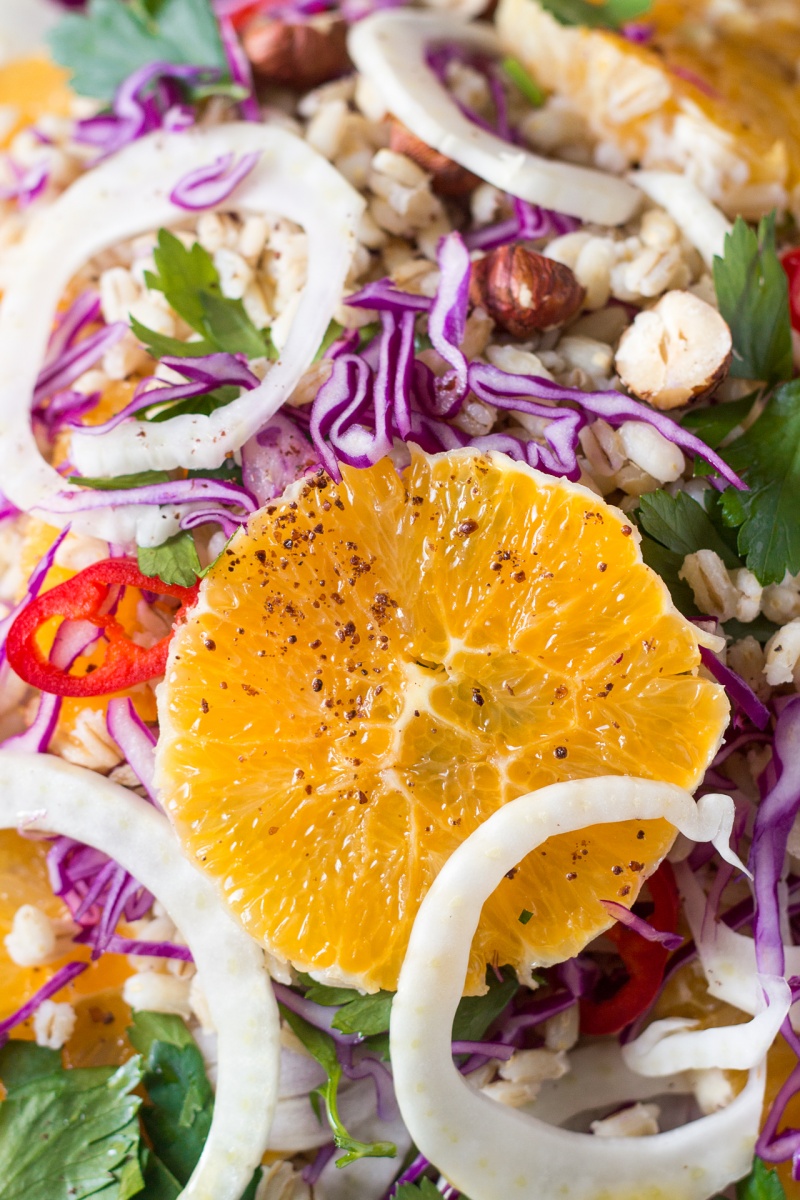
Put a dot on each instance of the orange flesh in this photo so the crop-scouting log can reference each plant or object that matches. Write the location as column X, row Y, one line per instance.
column 374, row 669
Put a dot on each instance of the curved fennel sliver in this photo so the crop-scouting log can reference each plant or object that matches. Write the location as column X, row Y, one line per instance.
column 676, row 1044
column 493, row 1152
column 45, row 793
column 126, row 195
column 389, row 48
column 728, row 958
column 697, row 217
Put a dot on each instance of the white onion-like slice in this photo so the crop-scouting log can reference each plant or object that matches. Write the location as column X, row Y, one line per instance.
column 728, row 958
column 23, row 27
column 44, row 793
column 492, row 1152
column 126, row 195
column 676, row 1044
column 698, row 219
column 389, row 48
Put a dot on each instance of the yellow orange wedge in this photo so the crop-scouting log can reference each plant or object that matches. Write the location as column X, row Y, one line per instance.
column 374, row 667
column 713, row 93
column 31, row 88
column 102, row 1015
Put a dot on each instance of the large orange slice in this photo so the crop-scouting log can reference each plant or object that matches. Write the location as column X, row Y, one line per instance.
column 374, row 667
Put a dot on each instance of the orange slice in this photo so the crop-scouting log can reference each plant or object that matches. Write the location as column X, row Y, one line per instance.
column 31, row 88
column 374, row 667
column 713, row 92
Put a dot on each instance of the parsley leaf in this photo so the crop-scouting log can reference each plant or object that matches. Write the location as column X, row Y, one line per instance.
column 114, row 39
column 370, row 1015
column 475, row 1014
column 178, row 1116
column 713, row 424
column 190, row 282
column 67, row 1134
column 767, row 457
column 762, row 1183
column 667, row 564
column 753, row 296
column 174, row 561
column 683, row 526
column 612, row 14
column 524, row 916
column 424, row 1189
column 180, row 1103
column 323, row 1048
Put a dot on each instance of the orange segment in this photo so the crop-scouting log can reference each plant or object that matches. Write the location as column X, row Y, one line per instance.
column 375, row 667
column 31, row 88
column 714, row 91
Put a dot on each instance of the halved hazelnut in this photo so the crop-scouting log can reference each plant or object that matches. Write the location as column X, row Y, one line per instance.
column 675, row 351
column 298, row 54
column 523, row 291
column 448, row 178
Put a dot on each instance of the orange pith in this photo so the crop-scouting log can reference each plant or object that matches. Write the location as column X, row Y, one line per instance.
column 375, row 667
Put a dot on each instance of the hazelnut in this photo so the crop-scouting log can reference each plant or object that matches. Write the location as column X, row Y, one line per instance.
column 448, row 178
column 675, row 351
column 299, row 55
column 523, row 291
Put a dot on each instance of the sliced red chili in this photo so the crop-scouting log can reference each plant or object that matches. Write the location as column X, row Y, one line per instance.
column 644, row 962
column 791, row 265
column 82, row 599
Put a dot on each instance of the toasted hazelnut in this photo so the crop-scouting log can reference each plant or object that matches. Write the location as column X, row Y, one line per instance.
column 523, row 291
column 448, row 178
column 675, row 351
column 299, row 55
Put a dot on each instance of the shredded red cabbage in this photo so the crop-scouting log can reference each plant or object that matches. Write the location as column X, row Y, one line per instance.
column 205, row 374
column 447, row 323
column 241, row 72
column 63, row 370
column 97, row 891
column 136, row 742
column 671, row 941
column 176, row 491
column 740, row 692
column 528, row 223
column 60, row 980
column 275, row 457
column 29, row 183
column 150, row 98
column 208, row 186
column 514, row 391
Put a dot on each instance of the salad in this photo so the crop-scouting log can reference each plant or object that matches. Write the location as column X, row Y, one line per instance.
column 399, row 600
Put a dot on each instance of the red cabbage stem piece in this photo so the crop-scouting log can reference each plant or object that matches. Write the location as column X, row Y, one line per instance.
column 275, row 457
column 64, row 408
column 60, row 980
column 208, row 186
column 228, row 522
column 528, row 223
column 740, row 692
column 114, row 944
column 671, row 941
